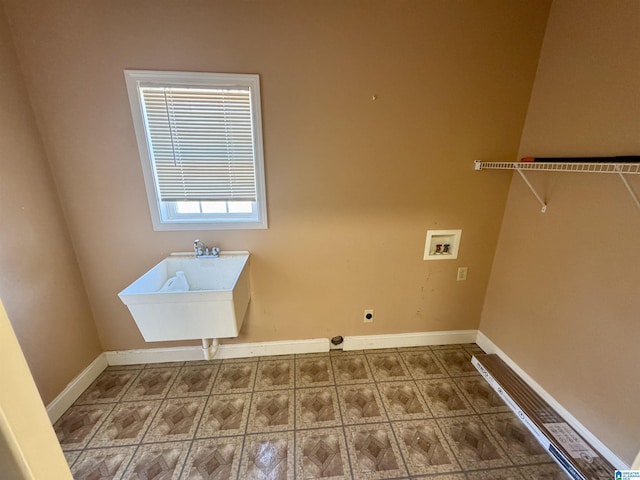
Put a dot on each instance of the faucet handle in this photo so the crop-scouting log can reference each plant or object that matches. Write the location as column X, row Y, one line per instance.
column 199, row 247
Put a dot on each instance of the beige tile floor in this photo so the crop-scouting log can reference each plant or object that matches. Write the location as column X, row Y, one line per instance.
column 420, row 412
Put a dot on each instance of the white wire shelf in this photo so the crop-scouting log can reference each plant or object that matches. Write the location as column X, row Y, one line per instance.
column 621, row 169
column 576, row 167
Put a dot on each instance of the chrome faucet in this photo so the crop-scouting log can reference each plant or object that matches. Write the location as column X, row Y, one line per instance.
column 202, row 250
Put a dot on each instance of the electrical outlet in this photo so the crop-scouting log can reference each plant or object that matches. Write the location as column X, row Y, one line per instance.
column 462, row 273
column 368, row 316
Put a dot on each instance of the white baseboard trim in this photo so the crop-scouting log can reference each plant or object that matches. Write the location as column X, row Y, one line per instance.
column 417, row 339
column 74, row 389
column 286, row 347
column 154, row 355
column 230, row 350
column 488, row 346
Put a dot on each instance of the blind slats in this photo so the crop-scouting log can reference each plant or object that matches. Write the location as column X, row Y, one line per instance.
column 201, row 141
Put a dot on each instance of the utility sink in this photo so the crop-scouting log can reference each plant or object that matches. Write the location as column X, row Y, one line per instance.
column 213, row 307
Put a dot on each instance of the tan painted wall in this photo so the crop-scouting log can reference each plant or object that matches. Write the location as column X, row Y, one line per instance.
column 564, row 297
column 40, row 282
column 352, row 184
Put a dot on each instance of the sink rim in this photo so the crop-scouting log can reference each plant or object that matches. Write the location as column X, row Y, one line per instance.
column 186, row 296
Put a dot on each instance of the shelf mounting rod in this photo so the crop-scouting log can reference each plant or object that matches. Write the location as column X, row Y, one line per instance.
column 533, row 190
column 626, row 184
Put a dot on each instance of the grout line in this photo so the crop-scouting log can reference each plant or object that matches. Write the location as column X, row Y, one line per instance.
column 295, row 418
column 186, row 458
column 135, row 452
column 202, row 415
column 246, row 425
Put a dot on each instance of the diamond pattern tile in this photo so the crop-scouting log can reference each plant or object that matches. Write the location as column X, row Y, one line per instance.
column 374, row 452
column 497, row 474
column 424, row 447
column 388, row 366
column 317, row 407
column 446, row 476
column 480, row 394
column 193, row 381
column 397, row 413
column 423, row 364
column 225, row 415
column 102, row 463
column 214, row 458
column 361, row 404
column 71, row 456
column 444, row 398
column 235, row 378
column 274, row 375
column 453, row 346
column 164, row 365
column 472, row 443
column 158, row 461
column 456, row 361
column 322, row 454
column 314, row 371
column 268, row 456
column 521, row 446
column 109, row 387
column 177, row 419
column 152, row 384
column 78, row 425
column 272, row 411
column 548, row 471
column 126, row 425
column 403, row 401
column 351, row 369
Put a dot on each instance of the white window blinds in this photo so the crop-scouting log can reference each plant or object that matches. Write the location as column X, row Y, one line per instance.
column 201, row 142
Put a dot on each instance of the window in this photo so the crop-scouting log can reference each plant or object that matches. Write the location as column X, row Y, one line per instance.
column 200, row 142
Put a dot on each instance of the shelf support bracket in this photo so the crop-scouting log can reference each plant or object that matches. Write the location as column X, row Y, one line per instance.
column 626, row 184
column 533, row 190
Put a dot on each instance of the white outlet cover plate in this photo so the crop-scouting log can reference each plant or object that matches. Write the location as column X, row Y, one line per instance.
column 462, row 273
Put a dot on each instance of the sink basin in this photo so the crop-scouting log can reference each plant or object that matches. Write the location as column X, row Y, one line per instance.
column 213, row 307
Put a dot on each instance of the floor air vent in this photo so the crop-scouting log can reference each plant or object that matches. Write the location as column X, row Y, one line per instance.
column 573, row 454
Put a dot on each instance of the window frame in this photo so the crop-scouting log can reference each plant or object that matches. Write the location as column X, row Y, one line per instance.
column 161, row 216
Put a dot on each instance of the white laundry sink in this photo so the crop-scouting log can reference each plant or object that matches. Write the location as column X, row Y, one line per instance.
column 213, row 307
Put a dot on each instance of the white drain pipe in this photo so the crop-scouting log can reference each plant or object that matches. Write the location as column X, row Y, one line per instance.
column 209, row 351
